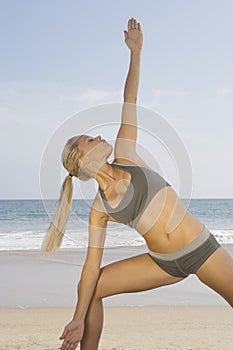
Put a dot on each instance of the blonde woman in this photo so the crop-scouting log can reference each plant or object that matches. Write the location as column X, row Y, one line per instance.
column 131, row 193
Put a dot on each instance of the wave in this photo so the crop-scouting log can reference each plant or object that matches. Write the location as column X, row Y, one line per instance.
column 29, row 239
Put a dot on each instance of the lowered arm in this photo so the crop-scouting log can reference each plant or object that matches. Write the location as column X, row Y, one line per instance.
column 91, row 269
column 73, row 332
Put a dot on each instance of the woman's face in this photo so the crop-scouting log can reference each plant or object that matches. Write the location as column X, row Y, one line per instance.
column 94, row 148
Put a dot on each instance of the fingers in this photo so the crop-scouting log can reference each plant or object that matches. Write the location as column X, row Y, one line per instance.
column 70, row 341
column 64, row 334
column 133, row 24
column 69, row 345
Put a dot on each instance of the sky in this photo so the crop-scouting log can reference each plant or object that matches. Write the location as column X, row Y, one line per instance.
column 61, row 57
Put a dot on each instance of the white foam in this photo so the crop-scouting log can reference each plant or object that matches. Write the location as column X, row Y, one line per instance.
column 25, row 240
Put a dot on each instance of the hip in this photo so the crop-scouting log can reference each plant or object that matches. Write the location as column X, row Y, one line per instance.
column 189, row 258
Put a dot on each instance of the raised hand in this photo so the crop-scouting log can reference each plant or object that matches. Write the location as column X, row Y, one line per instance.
column 72, row 335
column 134, row 36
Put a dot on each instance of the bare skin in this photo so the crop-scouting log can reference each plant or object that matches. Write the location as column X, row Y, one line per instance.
column 165, row 225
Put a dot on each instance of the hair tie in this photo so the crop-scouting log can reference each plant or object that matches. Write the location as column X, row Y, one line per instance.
column 70, row 175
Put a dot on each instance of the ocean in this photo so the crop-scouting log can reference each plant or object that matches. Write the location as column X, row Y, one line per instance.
column 23, row 223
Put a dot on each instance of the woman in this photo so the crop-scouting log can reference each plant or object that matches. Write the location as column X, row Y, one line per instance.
column 133, row 194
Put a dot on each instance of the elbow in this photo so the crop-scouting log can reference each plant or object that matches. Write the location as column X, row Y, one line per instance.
column 130, row 99
column 78, row 285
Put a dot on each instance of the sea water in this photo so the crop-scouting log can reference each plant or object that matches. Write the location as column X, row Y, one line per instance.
column 23, row 223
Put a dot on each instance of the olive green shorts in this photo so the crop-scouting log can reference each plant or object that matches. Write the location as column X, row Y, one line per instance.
column 189, row 258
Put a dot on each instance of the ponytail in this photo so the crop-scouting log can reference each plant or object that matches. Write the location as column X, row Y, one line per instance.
column 56, row 230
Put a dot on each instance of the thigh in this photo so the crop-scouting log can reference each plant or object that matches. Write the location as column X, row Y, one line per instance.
column 217, row 273
column 134, row 274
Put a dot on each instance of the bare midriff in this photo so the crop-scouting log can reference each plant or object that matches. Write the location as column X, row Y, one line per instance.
column 166, row 224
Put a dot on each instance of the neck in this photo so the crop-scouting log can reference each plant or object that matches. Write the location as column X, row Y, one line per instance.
column 106, row 176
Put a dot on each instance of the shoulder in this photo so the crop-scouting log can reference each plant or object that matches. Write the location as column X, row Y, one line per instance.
column 98, row 214
column 123, row 161
column 98, row 211
column 133, row 161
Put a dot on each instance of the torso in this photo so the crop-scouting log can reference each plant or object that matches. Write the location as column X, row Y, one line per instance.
column 165, row 224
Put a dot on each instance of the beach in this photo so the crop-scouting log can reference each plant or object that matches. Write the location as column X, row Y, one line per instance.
column 131, row 328
column 38, row 295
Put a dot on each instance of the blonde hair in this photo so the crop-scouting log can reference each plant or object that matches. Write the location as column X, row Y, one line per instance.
column 70, row 160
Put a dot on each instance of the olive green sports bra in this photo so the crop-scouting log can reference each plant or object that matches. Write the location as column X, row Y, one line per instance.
column 144, row 184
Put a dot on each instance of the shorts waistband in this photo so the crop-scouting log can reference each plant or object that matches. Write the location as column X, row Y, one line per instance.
column 184, row 250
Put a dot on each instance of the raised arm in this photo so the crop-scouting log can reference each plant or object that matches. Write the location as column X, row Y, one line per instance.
column 73, row 332
column 134, row 40
column 125, row 147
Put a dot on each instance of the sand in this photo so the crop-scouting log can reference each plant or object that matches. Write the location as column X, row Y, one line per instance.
column 131, row 328
column 38, row 296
